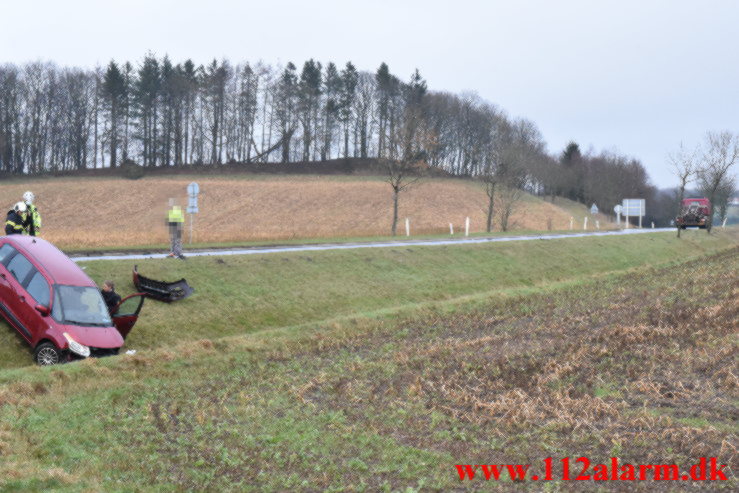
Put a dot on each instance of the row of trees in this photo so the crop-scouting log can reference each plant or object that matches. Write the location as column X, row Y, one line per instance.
column 158, row 113
column 162, row 114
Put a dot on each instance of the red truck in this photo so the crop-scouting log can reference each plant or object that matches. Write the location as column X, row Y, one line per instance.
column 694, row 212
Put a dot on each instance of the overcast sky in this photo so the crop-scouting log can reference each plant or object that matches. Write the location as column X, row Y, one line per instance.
column 636, row 76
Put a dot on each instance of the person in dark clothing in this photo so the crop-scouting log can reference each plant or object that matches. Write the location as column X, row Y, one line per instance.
column 33, row 217
column 14, row 222
column 110, row 296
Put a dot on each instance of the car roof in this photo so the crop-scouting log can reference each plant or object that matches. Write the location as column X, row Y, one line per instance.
column 60, row 268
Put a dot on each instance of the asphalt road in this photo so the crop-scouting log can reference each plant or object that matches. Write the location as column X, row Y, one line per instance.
column 378, row 244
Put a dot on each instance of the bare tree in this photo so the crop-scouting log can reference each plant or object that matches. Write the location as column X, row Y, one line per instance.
column 509, row 196
column 723, row 195
column 721, row 153
column 490, row 178
column 520, row 147
column 684, row 165
column 400, row 176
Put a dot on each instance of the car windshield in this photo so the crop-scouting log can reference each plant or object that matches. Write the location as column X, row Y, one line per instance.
column 80, row 305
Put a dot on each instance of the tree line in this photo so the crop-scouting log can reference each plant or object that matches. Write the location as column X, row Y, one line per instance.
column 160, row 113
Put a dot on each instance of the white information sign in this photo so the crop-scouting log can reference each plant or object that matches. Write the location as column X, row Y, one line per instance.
column 633, row 207
column 594, row 209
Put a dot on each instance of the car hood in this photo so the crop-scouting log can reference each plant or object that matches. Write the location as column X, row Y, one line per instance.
column 99, row 337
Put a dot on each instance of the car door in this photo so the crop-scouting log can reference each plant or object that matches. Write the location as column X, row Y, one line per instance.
column 126, row 313
column 20, row 304
column 9, row 294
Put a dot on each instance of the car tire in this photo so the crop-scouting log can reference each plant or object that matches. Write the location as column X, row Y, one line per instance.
column 47, row 354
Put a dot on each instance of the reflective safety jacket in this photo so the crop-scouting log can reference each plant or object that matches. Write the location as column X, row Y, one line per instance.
column 175, row 215
column 32, row 224
column 14, row 223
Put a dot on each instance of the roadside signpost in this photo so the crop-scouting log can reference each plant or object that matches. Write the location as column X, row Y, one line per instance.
column 192, row 203
column 633, row 207
column 594, row 209
column 617, row 209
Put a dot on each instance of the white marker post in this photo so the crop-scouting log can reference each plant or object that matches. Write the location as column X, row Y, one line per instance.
column 572, row 222
column 585, row 223
column 652, row 224
column 407, row 227
column 597, row 224
column 467, row 227
column 451, row 229
column 723, row 225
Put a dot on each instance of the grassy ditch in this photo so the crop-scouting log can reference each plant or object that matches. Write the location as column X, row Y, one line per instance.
column 236, row 295
column 638, row 365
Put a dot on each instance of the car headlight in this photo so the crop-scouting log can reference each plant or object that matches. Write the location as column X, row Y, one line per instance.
column 76, row 347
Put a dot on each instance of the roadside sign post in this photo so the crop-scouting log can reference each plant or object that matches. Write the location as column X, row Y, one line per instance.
column 467, row 227
column 617, row 209
column 451, row 229
column 633, row 207
column 192, row 204
column 407, row 227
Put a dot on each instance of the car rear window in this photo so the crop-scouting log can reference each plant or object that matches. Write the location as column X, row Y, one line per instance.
column 38, row 288
column 19, row 266
column 6, row 252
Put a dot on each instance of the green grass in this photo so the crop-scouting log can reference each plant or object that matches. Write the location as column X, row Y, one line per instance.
column 370, row 405
column 236, row 295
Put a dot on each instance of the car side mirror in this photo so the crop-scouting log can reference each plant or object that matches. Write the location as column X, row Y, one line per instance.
column 43, row 310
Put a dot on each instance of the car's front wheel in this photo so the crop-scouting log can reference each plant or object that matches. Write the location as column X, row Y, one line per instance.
column 47, row 354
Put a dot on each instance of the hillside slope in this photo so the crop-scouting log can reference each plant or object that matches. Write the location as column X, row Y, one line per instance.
column 96, row 212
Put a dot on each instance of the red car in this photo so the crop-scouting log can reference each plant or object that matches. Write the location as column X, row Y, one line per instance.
column 55, row 306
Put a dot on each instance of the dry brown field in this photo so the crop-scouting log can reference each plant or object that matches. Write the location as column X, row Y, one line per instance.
column 99, row 212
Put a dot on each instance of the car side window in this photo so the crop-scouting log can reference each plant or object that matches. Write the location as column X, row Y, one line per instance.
column 56, row 309
column 6, row 252
column 20, row 267
column 38, row 288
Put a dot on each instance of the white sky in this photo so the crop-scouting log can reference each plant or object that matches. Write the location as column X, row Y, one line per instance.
column 637, row 76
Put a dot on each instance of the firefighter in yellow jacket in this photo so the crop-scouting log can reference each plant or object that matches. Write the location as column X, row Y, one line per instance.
column 32, row 225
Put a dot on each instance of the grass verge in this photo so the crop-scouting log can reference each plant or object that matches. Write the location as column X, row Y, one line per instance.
column 236, row 295
column 625, row 365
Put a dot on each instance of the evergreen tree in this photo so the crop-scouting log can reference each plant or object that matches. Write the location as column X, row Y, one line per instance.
column 114, row 91
column 349, row 80
column 147, row 90
column 309, row 93
column 285, row 107
column 332, row 86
